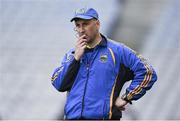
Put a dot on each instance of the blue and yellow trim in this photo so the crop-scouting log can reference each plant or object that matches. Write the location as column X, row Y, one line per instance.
column 113, row 56
column 112, row 92
column 111, row 99
column 144, row 83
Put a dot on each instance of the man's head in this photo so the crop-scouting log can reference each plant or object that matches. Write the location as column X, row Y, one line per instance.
column 87, row 23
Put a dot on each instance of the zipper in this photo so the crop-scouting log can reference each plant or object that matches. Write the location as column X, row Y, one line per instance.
column 94, row 54
column 87, row 68
column 104, row 110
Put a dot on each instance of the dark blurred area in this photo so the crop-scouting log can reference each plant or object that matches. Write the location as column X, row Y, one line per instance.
column 35, row 35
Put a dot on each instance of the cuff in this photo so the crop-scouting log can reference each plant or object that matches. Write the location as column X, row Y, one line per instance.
column 124, row 97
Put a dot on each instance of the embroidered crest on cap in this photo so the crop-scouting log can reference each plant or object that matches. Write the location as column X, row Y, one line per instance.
column 81, row 11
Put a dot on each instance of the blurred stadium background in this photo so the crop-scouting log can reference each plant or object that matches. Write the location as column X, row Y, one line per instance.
column 35, row 34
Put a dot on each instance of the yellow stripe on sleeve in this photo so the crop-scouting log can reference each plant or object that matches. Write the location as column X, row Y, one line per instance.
column 144, row 83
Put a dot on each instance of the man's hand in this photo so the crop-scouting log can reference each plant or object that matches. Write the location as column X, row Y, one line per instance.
column 120, row 104
column 80, row 47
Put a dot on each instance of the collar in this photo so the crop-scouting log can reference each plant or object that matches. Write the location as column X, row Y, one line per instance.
column 103, row 41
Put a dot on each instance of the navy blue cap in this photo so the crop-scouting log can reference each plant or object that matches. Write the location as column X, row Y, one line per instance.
column 85, row 13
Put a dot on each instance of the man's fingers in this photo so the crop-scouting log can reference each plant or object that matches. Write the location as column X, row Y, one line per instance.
column 83, row 44
column 122, row 108
column 120, row 104
column 81, row 41
column 81, row 37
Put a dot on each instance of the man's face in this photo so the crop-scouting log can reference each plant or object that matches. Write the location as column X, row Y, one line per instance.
column 89, row 28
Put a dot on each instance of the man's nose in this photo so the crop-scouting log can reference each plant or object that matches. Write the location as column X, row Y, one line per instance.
column 81, row 30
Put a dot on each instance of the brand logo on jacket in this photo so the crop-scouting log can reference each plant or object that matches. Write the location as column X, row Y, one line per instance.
column 69, row 57
column 103, row 58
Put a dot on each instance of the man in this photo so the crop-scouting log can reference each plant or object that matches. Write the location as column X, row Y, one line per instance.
column 94, row 72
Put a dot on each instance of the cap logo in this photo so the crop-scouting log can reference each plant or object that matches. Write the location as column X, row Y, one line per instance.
column 81, row 11
column 85, row 13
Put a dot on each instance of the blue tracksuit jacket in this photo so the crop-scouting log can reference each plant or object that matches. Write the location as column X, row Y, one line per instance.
column 95, row 82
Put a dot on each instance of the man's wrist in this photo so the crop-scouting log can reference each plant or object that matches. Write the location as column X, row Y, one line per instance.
column 124, row 97
column 76, row 58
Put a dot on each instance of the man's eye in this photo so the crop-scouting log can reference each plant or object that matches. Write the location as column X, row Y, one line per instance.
column 77, row 26
column 85, row 24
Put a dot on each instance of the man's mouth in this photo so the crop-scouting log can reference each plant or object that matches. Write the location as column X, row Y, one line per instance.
column 85, row 37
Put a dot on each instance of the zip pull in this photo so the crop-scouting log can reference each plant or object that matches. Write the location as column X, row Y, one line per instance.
column 87, row 66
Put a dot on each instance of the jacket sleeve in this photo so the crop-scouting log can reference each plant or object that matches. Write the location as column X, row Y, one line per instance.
column 144, row 74
column 64, row 76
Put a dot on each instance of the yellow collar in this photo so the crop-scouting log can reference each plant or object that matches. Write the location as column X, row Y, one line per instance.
column 89, row 47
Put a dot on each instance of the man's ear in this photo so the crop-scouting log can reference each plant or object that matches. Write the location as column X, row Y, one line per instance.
column 98, row 24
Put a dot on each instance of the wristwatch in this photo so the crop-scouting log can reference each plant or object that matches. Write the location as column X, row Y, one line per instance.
column 124, row 97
